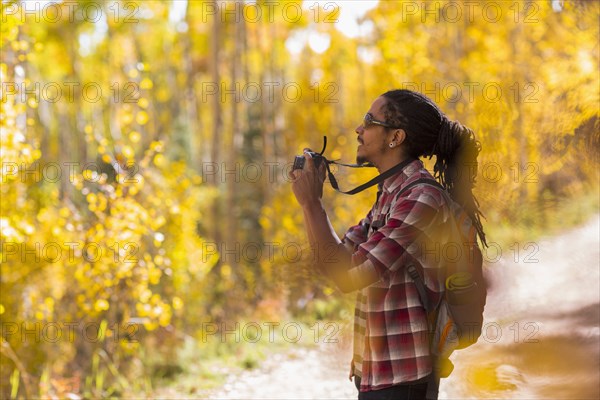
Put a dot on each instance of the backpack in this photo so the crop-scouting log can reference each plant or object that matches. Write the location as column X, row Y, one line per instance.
column 456, row 321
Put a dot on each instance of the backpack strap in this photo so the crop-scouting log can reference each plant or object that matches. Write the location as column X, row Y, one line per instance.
column 434, row 380
column 411, row 269
column 433, row 383
column 414, row 274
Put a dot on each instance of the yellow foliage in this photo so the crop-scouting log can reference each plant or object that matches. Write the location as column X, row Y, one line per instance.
column 128, row 236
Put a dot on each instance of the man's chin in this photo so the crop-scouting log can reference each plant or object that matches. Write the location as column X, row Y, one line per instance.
column 361, row 159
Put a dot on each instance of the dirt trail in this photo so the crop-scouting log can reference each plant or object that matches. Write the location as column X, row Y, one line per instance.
column 316, row 373
column 542, row 338
column 543, row 324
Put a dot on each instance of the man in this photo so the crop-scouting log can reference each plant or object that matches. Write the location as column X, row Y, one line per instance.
column 391, row 346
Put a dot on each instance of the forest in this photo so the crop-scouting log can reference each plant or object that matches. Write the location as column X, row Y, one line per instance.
column 145, row 203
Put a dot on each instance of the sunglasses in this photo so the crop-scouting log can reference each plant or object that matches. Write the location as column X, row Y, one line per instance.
column 369, row 121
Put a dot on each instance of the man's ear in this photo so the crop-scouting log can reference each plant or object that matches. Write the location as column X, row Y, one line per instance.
column 399, row 136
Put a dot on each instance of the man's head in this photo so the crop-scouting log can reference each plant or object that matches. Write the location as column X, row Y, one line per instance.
column 409, row 124
column 379, row 140
column 402, row 124
column 413, row 124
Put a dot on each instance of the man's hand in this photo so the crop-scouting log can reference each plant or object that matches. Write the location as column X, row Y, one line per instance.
column 307, row 183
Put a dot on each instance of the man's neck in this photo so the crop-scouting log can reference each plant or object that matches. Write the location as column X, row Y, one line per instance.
column 386, row 164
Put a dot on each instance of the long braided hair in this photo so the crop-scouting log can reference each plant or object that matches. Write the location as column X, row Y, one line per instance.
column 429, row 132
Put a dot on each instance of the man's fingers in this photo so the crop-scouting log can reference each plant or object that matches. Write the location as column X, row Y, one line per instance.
column 322, row 171
column 309, row 165
column 293, row 174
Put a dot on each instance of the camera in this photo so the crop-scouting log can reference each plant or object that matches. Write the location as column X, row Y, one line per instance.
column 319, row 158
column 300, row 160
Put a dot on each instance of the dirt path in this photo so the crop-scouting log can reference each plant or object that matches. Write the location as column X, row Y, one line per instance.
column 543, row 324
column 316, row 373
column 542, row 338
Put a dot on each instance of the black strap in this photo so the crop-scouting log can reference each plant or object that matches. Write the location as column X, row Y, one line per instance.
column 411, row 269
column 414, row 274
column 379, row 178
column 433, row 383
column 434, row 380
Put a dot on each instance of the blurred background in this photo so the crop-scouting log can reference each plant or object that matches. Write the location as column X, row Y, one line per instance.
column 151, row 244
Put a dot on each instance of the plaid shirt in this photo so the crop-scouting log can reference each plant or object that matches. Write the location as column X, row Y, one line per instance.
column 391, row 343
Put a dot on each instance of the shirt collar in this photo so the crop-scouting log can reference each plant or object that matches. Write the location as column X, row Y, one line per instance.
column 395, row 181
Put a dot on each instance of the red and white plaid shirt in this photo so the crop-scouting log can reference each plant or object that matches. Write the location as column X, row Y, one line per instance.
column 391, row 343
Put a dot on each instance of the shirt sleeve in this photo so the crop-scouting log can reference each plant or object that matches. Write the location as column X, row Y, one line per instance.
column 411, row 219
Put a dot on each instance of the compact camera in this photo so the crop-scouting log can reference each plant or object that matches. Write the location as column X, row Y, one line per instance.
column 317, row 157
column 300, row 160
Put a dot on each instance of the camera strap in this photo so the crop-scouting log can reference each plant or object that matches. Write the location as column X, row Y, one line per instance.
column 379, row 178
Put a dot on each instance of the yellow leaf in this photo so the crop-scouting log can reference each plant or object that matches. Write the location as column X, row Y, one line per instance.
column 143, row 102
column 127, row 151
column 101, row 305
column 177, row 303
column 159, row 160
column 141, row 117
column 135, row 137
column 146, row 84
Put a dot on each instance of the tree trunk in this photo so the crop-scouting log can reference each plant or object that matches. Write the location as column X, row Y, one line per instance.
column 216, row 127
column 232, row 181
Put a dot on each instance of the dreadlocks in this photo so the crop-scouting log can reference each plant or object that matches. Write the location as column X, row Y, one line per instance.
column 429, row 132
